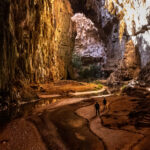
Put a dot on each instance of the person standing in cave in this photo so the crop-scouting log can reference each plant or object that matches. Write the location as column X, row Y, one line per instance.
column 97, row 108
column 104, row 103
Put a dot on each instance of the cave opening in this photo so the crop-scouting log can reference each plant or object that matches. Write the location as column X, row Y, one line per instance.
column 89, row 54
column 97, row 38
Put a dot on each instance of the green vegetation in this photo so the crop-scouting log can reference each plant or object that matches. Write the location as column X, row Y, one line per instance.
column 123, row 87
column 97, row 82
column 85, row 71
column 92, row 71
column 76, row 61
column 99, row 85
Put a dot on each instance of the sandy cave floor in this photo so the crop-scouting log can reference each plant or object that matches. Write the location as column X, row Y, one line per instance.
column 69, row 123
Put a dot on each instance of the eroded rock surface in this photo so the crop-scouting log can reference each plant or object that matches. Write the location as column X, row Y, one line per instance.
column 36, row 41
column 129, row 66
column 108, row 32
column 119, row 22
column 144, row 75
column 134, row 21
column 89, row 47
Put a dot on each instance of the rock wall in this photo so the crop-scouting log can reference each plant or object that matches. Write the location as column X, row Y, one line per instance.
column 88, row 47
column 108, row 29
column 37, row 36
column 36, row 41
column 134, row 22
column 129, row 67
column 119, row 22
column 144, row 75
column 134, row 26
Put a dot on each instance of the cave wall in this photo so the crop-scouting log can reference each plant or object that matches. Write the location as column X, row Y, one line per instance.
column 89, row 54
column 134, row 27
column 108, row 29
column 37, row 36
column 36, row 41
column 128, row 67
column 134, row 22
column 119, row 23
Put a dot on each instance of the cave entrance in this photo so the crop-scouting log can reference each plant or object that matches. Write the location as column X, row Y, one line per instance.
column 89, row 54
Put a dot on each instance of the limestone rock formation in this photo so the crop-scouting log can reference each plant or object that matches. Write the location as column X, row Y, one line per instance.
column 133, row 24
column 117, row 23
column 144, row 75
column 108, row 29
column 36, row 41
column 37, row 38
column 88, row 44
column 134, row 20
column 128, row 67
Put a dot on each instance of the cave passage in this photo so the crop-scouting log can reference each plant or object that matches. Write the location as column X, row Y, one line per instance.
column 58, row 58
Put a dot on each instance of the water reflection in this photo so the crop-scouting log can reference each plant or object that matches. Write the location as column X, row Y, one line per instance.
column 24, row 109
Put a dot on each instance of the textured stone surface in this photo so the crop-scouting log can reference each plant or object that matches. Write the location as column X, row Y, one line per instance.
column 36, row 40
column 108, row 29
column 117, row 23
column 88, row 44
column 134, row 20
column 37, row 37
column 128, row 67
column 144, row 75
column 133, row 24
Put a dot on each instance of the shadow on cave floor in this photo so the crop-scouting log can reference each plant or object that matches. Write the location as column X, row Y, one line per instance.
column 62, row 120
column 71, row 124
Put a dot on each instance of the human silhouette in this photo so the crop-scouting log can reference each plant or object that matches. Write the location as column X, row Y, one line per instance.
column 97, row 107
column 104, row 103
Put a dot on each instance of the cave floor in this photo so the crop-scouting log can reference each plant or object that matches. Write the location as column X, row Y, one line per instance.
column 68, row 121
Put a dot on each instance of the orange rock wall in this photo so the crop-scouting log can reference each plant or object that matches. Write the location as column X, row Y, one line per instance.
column 36, row 41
